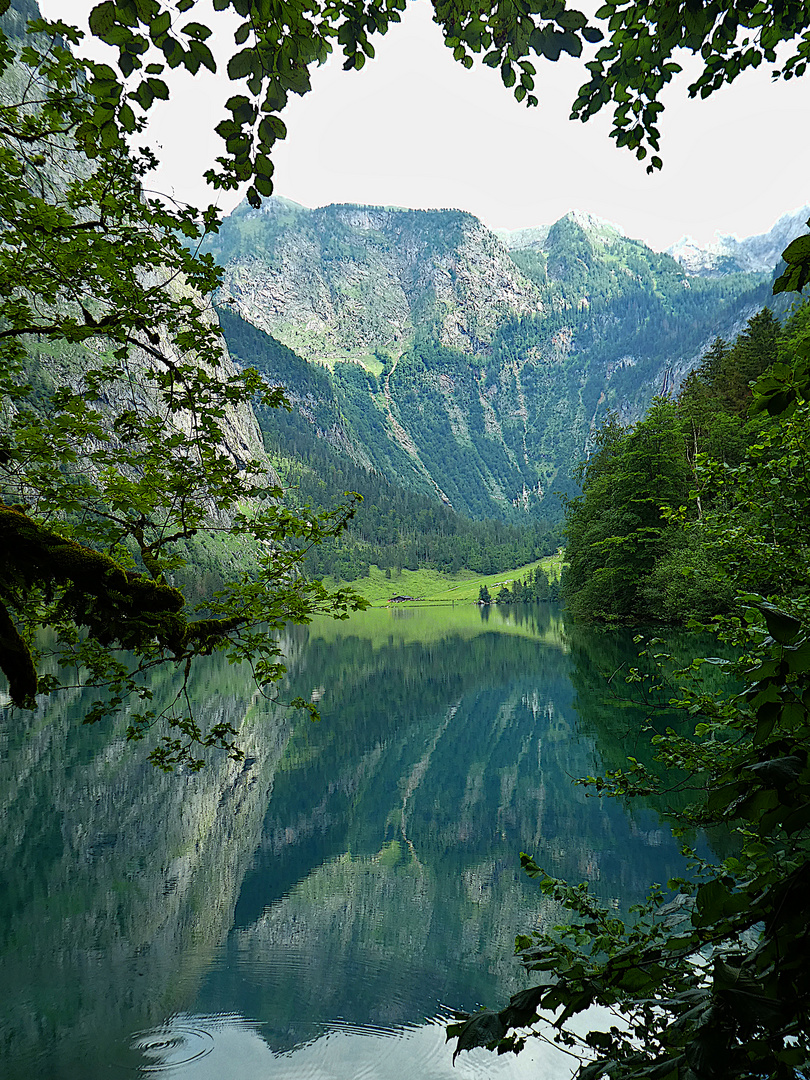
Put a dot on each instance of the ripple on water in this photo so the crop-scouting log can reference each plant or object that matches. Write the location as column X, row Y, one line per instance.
column 172, row 1045
column 216, row 1047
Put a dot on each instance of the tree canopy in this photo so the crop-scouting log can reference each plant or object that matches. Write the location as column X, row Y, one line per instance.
column 699, row 501
column 128, row 448
column 631, row 51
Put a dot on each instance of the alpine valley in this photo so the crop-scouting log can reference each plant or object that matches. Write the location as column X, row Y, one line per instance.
column 423, row 352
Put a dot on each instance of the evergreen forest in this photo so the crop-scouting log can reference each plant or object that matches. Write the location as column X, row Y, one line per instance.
column 145, row 437
column 703, row 499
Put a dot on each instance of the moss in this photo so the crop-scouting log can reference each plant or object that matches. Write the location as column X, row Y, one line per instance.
column 115, row 605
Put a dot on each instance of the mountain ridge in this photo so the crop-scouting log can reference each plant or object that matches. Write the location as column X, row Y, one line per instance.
column 464, row 363
column 727, row 252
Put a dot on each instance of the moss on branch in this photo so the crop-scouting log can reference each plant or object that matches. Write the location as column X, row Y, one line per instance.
column 115, row 606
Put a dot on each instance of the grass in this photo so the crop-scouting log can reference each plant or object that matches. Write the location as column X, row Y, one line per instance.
column 370, row 363
column 435, row 587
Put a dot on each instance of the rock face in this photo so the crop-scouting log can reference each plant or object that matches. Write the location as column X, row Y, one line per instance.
column 342, row 281
column 470, row 365
column 728, row 254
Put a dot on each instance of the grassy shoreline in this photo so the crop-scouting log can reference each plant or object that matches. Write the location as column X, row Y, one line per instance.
column 434, row 587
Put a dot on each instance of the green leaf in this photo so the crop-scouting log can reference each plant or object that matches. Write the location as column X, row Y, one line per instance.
column 103, row 18
column 798, row 250
column 160, row 25
column 571, row 20
column 243, row 109
column 144, row 96
column 275, row 97
column 782, row 627
column 127, row 118
column 241, row 64
column 159, row 88
column 778, row 772
column 483, row 1029
column 797, row 656
column 522, row 1007
column 571, row 44
column 710, row 902
column 264, row 185
column 196, row 30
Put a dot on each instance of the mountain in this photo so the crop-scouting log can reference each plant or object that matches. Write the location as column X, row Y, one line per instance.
column 728, row 254
column 469, row 366
column 343, row 282
column 89, row 286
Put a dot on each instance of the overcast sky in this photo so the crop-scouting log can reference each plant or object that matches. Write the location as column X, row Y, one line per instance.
column 415, row 129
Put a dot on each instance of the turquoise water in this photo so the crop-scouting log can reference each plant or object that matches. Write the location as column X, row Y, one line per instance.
column 318, row 910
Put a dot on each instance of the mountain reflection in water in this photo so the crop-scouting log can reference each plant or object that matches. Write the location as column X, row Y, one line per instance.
column 316, row 910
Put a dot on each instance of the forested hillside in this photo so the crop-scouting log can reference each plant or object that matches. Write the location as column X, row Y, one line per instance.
column 394, row 527
column 468, row 367
column 704, row 498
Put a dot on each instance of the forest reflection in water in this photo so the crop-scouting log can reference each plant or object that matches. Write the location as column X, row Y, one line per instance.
column 316, row 909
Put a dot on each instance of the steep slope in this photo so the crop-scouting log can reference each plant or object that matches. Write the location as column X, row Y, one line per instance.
column 473, row 365
column 727, row 254
column 343, row 281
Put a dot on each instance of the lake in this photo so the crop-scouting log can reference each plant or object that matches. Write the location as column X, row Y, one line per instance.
column 318, row 910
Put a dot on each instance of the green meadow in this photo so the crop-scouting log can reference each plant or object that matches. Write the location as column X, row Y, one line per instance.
column 433, row 587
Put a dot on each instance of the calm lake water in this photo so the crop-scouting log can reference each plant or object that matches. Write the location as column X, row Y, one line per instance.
column 318, row 910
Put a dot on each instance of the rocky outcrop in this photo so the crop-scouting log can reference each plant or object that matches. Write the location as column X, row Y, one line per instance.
column 728, row 254
column 490, row 358
column 344, row 281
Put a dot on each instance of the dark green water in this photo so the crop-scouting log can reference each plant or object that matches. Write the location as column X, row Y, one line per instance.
column 315, row 911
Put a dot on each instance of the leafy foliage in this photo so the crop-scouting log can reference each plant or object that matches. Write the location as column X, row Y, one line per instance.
column 702, row 522
column 277, row 46
column 126, row 434
column 616, row 528
column 711, row 981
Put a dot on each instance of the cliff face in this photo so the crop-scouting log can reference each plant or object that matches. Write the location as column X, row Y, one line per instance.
column 727, row 254
column 344, row 281
column 470, row 365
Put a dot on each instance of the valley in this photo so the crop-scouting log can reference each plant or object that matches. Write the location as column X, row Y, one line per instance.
column 283, row 501
column 469, row 367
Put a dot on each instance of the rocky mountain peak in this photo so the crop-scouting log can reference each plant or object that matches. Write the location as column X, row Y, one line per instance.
column 537, row 237
column 727, row 254
column 342, row 281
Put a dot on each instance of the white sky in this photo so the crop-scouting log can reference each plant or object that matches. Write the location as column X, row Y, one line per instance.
column 413, row 128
